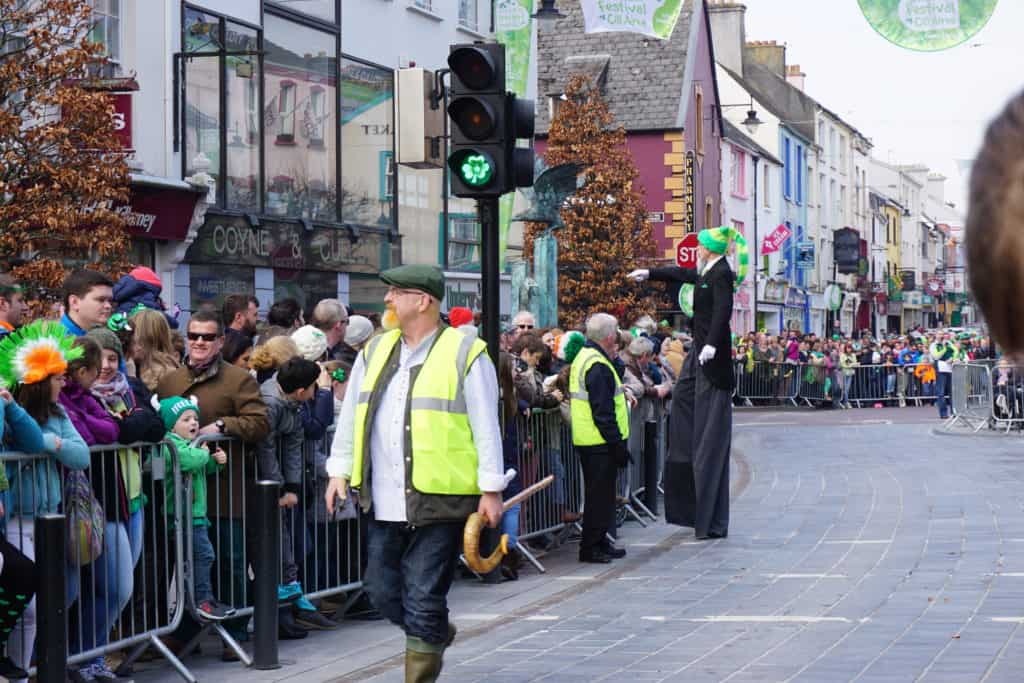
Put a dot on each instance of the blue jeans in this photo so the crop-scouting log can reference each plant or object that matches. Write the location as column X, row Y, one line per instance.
column 942, row 393
column 202, row 562
column 408, row 574
column 112, row 583
column 136, row 526
column 510, row 524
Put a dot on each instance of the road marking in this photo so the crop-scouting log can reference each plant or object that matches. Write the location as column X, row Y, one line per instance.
column 768, row 424
column 877, row 541
column 871, row 422
column 477, row 617
column 805, row 576
column 543, row 617
column 653, row 618
column 637, row 578
column 641, row 545
column 1008, row 620
column 1012, row 575
column 768, row 619
column 574, row 578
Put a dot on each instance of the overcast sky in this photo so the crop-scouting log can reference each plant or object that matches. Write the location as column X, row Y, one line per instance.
column 928, row 107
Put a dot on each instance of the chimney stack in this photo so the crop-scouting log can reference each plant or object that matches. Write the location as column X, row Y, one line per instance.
column 769, row 54
column 728, row 33
column 795, row 76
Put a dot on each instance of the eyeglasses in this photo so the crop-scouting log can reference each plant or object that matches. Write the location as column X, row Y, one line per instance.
column 525, row 327
column 205, row 336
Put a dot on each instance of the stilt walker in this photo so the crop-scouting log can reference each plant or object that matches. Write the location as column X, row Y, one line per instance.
column 696, row 470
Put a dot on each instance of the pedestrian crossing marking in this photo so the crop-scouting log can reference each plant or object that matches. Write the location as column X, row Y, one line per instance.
column 767, row 619
column 805, row 576
column 878, row 541
column 543, row 617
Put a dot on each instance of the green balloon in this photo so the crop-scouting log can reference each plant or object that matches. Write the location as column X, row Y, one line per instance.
column 927, row 25
column 686, row 299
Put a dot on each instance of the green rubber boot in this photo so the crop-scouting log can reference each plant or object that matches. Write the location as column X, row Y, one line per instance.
column 422, row 661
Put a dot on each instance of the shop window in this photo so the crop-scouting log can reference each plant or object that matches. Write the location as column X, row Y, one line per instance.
column 106, row 27
column 314, row 116
column 467, row 14
column 222, row 141
column 387, row 176
column 463, row 251
column 320, row 9
column 286, row 114
column 369, row 180
column 738, row 173
column 698, row 103
column 300, row 83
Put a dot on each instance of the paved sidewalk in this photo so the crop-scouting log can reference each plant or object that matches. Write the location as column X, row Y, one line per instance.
column 864, row 548
column 359, row 646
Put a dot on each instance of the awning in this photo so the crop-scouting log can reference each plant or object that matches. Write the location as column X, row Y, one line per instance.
column 160, row 208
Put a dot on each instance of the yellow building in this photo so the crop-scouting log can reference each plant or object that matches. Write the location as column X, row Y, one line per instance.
column 894, row 218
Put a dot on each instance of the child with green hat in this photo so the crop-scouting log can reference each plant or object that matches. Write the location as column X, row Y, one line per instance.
column 181, row 419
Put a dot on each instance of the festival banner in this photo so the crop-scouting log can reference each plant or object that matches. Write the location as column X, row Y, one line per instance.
column 927, row 25
column 655, row 18
column 513, row 27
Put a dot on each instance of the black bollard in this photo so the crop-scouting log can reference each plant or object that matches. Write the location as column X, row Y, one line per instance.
column 267, row 569
column 651, row 465
column 52, row 637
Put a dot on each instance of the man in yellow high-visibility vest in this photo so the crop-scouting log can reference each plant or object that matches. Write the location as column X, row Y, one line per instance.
column 418, row 437
column 600, row 427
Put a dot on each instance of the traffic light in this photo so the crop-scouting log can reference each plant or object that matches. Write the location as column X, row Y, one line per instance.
column 486, row 122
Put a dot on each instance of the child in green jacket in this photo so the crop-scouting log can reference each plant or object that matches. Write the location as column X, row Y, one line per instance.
column 181, row 418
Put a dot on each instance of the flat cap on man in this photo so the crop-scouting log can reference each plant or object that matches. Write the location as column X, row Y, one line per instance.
column 427, row 279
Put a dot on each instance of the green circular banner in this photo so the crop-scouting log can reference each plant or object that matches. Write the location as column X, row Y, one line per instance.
column 927, row 25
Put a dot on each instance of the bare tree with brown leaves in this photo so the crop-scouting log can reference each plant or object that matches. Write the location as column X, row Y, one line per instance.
column 606, row 230
column 62, row 170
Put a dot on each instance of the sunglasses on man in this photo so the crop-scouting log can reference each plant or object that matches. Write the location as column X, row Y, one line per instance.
column 205, row 336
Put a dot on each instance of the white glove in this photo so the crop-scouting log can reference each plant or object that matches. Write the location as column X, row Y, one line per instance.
column 706, row 354
column 639, row 275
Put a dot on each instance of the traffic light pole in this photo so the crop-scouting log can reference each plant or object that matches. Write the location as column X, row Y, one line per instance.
column 490, row 274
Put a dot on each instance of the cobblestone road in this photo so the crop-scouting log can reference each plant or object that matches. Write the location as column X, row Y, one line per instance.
column 858, row 552
column 862, row 548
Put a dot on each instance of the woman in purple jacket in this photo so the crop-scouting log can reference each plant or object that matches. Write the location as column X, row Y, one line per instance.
column 112, row 574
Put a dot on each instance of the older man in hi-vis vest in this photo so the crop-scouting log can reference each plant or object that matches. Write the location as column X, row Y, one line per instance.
column 419, row 438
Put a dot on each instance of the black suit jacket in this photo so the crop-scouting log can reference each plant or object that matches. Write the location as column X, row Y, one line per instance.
column 712, row 313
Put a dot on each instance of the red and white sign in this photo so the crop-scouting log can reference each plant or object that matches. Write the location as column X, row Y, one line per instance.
column 122, row 115
column 776, row 239
column 686, row 251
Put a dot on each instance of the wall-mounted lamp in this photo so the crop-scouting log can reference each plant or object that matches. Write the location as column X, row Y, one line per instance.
column 548, row 11
column 751, row 123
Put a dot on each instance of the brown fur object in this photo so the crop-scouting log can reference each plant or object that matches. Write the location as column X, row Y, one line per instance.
column 995, row 227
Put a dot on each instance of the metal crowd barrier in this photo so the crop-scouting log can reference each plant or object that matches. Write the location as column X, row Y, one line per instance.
column 972, row 394
column 106, row 616
column 1007, row 396
column 767, row 382
column 546, row 448
column 327, row 550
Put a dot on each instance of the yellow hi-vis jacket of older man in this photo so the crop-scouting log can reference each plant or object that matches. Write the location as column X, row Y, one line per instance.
column 584, row 431
column 444, row 457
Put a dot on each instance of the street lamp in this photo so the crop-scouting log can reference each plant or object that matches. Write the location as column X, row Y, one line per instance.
column 751, row 123
column 547, row 11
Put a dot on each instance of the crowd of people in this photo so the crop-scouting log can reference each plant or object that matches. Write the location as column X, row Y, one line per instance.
column 856, row 371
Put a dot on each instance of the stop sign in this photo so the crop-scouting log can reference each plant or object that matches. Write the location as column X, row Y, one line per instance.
column 686, row 251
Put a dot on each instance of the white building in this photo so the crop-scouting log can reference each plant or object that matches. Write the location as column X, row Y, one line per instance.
column 750, row 203
column 304, row 199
